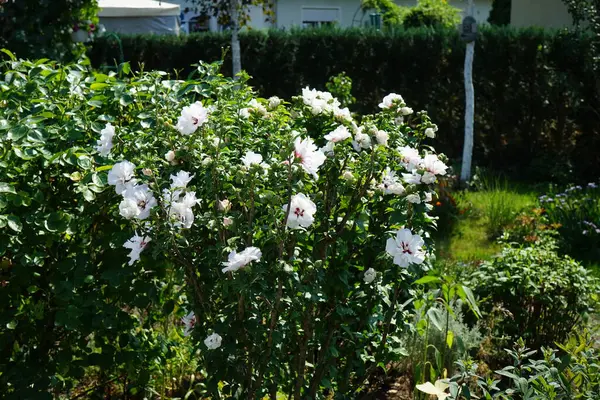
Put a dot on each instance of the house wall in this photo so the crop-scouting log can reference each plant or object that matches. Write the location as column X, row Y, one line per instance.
column 546, row 13
column 289, row 13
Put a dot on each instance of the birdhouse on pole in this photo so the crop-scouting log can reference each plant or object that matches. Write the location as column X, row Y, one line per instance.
column 468, row 29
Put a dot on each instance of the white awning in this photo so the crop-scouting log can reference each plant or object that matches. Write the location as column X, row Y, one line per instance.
column 136, row 8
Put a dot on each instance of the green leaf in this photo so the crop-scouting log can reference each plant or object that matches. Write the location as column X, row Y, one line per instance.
column 57, row 222
column 427, row 279
column 126, row 100
column 125, row 68
column 6, row 188
column 84, row 162
column 14, row 223
column 450, row 339
column 9, row 54
column 104, row 168
column 12, row 324
column 466, row 294
column 89, row 195
column 4, row 125
column 436, row 317
column 98, row 86
column 18, row 132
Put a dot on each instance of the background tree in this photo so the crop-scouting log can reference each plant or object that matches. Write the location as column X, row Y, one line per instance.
column 235, row 14
column 425, row 13
column 586, row 15
column 500, row 12
column 42, row 28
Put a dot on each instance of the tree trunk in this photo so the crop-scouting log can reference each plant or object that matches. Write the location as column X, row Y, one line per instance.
column 465, row 173
column 235, row 40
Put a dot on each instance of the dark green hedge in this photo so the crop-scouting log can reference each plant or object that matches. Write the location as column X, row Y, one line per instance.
column 537, row 103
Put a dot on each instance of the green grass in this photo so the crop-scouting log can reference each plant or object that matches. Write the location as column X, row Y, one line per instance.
column 483, row 215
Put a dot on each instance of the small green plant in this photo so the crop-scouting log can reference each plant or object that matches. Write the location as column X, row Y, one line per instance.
column 441, row 337
column 543, row 295
column 576, row 213
column 572, row 373
column 340, row 86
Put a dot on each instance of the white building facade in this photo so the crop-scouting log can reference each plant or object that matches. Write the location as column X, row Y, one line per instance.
column 347, row 13
column 343, row 13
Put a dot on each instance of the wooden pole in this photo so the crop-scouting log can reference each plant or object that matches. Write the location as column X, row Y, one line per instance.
column 465, row 173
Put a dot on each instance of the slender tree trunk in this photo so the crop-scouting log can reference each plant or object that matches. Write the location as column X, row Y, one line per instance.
column 465, row 173
column 235, row 40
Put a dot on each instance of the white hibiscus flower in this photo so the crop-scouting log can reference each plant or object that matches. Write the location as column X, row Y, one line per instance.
column 310, row 157
column 382, row 137
column 120, row 175
column 136, row 245
column 410, row 157
column 391, row 100
column 390, row 183
column 406, row 248
column 180, row 180
column 213, row 342
column 302, row 211
column 433, row 166
column 438, row 390
column 236, row 261
column 361, row 141
column 189, row 321
column 143, row 197
column 251, row 158
column 104, row 145
column 338, row 134
column 192, row 117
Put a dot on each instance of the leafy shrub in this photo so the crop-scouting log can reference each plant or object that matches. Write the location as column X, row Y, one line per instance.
column 340, row 86
column 278, row 214
column 74, row 316
column 541, row 294
column 543, row 80
column 43, row 29
column 314, row 201
column 572, row 373
column 576, row 214
column 432, row 13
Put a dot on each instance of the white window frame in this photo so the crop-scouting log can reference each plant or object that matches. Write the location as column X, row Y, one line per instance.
column 337, row 8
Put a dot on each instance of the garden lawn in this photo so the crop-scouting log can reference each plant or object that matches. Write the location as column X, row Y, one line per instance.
column 482, row 215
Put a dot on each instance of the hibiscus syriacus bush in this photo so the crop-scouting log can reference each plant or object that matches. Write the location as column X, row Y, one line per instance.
column 299, row 227
column 282, row 235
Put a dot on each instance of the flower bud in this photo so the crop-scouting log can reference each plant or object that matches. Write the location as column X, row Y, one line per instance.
column 170, row 156
column 224, row 205
column 406, row 111
column 227, row 221
column 274, row 102
column 147, row 171
column 413, row 198
column 347, row 175
column 382, row 137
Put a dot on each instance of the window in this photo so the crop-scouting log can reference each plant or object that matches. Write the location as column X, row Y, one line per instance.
column 313, row 17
